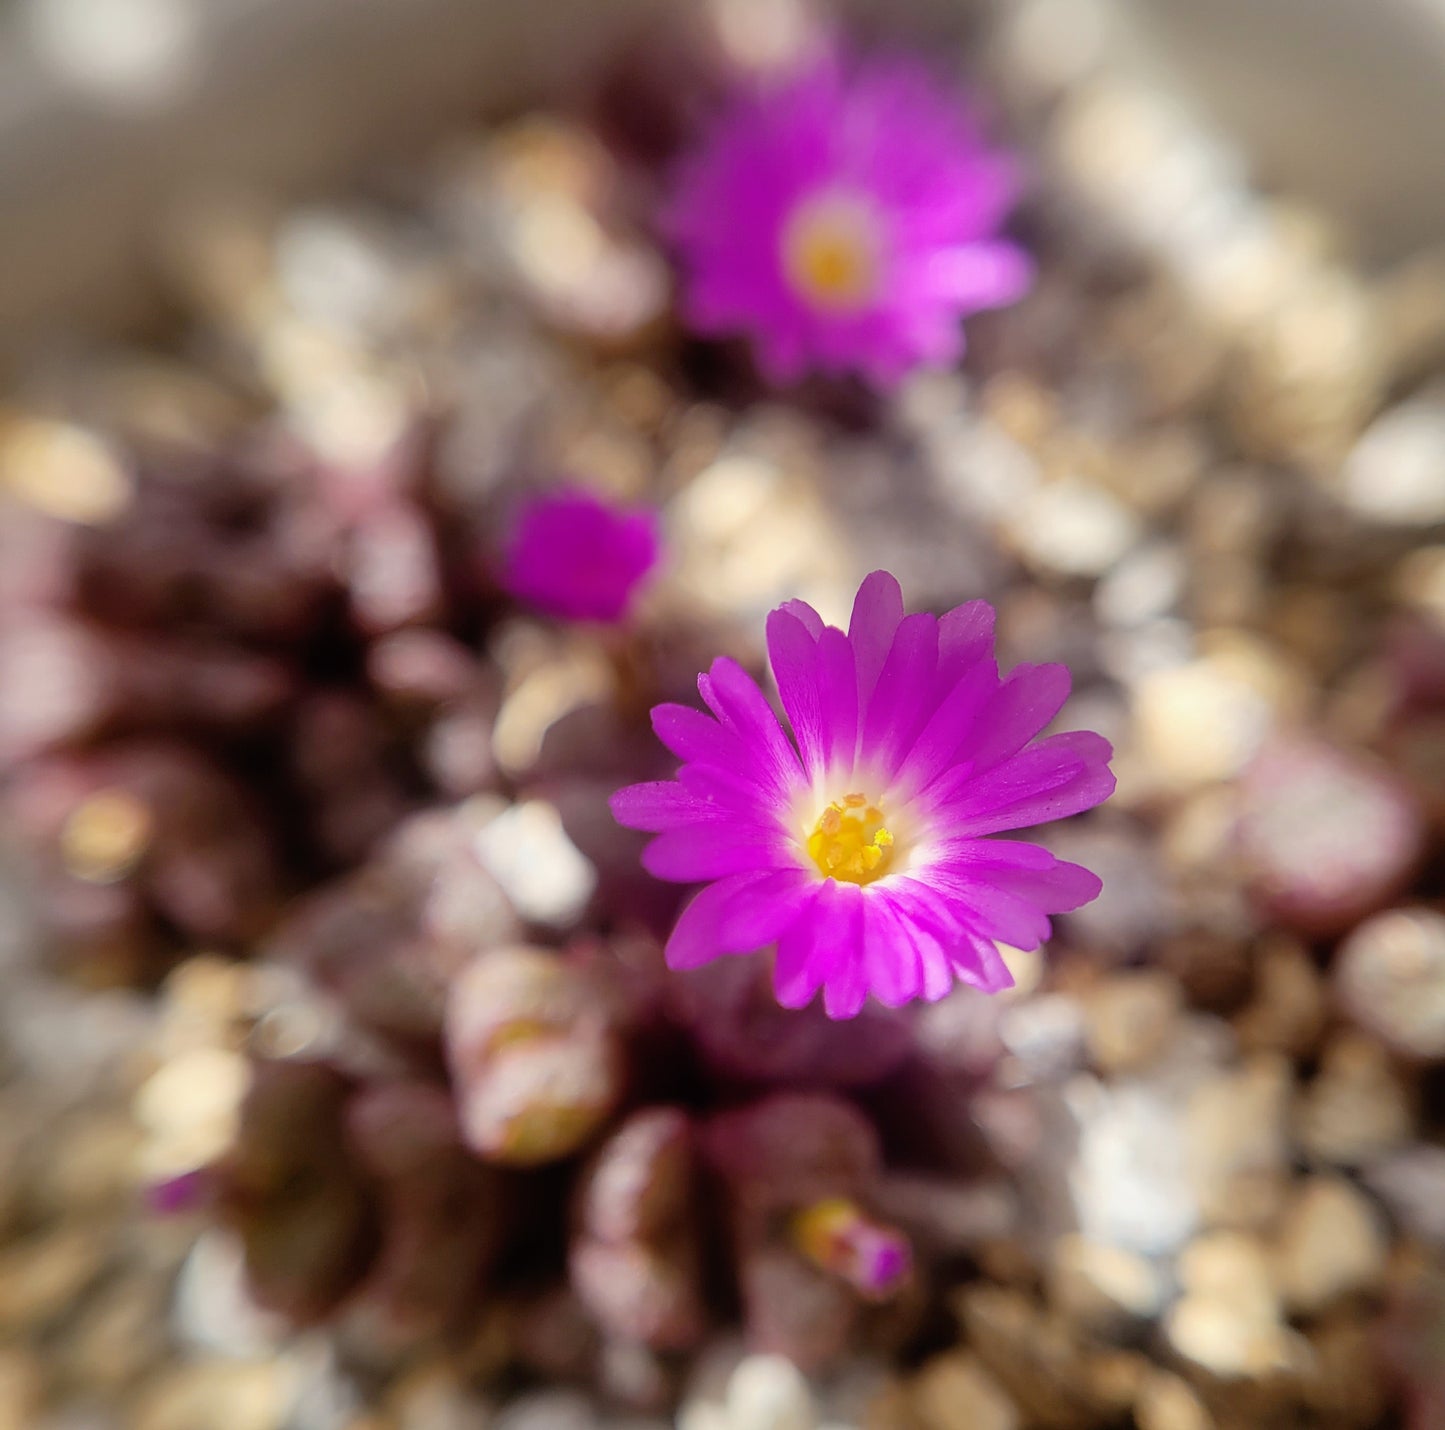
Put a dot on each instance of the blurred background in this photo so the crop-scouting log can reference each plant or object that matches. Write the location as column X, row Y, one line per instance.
column 296, row 299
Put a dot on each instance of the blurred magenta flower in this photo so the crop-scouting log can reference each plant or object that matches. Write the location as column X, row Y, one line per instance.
column 845, row 220
column 861, row 847
column 574, row 556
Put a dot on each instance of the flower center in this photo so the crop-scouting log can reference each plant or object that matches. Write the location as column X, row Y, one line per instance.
column 849, row 841
column 832, row 252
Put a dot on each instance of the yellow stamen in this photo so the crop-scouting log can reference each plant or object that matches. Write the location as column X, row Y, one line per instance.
column 831, row 252
column 849, row 841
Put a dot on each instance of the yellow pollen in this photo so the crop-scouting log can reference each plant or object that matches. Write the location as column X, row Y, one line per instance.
column 849, row 841
column 831, row 252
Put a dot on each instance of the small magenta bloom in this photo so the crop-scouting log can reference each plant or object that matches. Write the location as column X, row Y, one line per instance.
column 845, row 220
column 861, row 847
column 574, row 556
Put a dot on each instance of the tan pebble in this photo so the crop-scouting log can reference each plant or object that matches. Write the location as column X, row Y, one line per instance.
column 1332, row 1245
column 118, row 1335
column 1357, row 1108
column 89, row 1164
column 21, row 1389
column 214, row 1395
column 955, row 1392
column 1238, row 1146
column 1167, row 1403
column 1205, row 720
column 1231, row 1268
column 1103, row 1287
column 1288, row 1011
column 1212, row 1334
column 1129, row 1019
column 41, row 1276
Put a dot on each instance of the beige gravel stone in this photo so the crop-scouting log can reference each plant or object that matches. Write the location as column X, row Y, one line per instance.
column 1104, row 1288
column 1357, row 1108
column 41, row 1276
column 955, row 1392
column 1332, row 1245
column 1129, row 1019
column 1166, row 1402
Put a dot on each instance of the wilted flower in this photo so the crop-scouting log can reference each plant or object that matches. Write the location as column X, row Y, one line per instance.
column 572, row 555
column 862, row 850
column 845, row 220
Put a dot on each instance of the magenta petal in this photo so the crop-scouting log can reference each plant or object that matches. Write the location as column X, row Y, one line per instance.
column 877, row 614
column 687, row 856
column 1033, row 873
column 768, row 909
column 815, row 950
column 904, row 694
column 661, row 805
column 977, row 962
column 695, row 938
column 1026, row 701
column 797, row 976
column 793, row 653
column 845, row 984
column 891, row 951
column 575, row 556
column 965, row 635
column 801, row 611
column 838, row 693
column 982, row 275
column 734, row 697
column 691, row 735
column 993, row 910
column 1060, row 776
column 938, row 743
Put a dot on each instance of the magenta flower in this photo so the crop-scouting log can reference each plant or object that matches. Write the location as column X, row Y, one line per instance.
column 574, row 556
column 861, row 847
column 845, row 220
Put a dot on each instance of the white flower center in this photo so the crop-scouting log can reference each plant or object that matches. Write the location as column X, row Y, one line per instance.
column 832, row 251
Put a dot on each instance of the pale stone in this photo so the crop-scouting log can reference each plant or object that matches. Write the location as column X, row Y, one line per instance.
column 769, row 1393
column 1396, row 472
column 1238, row 1148
column 1167, row 1403
column 1130, row 1018
column 1332, row 1245
column 955, row 1392
column 1357, row 1108
column 1103, row 1287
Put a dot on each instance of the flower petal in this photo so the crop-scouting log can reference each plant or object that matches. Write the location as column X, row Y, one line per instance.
column 977, row 962
column 890, row 951
column 767, row 909
column 823, row 949
column 936, row 748
column 661, row 805
column 695, row 938
column 713, row 851
column 1033, row 873
column 965, row 635
column 1027, row 700
column 1057, row 777
column 733, row 696
column 691, row 735
column 903, row 697
column 801, row 611
column 793, row 653
column 877, row 613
